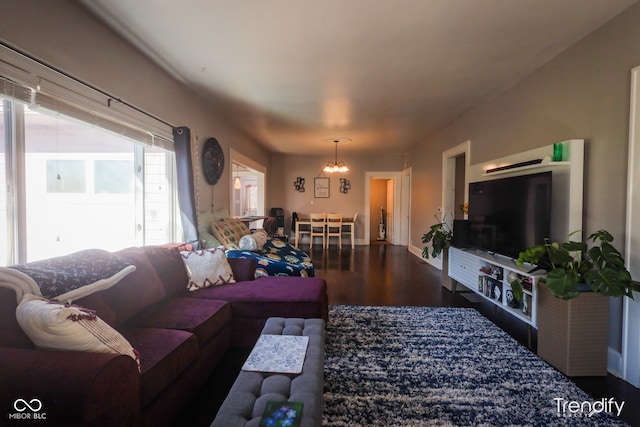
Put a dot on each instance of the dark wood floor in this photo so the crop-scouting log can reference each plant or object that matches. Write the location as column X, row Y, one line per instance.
column 387, row 275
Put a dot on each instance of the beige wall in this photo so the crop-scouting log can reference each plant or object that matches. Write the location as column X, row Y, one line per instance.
column 582, row 93
column 63, row 34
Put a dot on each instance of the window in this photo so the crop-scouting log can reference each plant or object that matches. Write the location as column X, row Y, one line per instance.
column 113, row 176
column 84, row 187
column 66, row 176
column 80, row 168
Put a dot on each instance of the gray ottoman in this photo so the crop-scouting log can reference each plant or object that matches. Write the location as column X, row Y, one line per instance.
column 250, row 392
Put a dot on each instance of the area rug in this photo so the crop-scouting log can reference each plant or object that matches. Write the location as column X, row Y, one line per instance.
column 428, row 366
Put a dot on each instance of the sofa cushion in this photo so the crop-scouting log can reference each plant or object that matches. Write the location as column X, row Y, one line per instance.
column 252, row 303
column 229, row 232
column 203, row 318
column 207, row 267
column 244, row 269
column 55, row 326
column 169, row 266
column 11, row 334
column 164, row 355
column 97, row 303
column 138, row 290
column 273, row 296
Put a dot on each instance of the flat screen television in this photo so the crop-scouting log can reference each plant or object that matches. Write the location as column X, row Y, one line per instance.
column 508, row 215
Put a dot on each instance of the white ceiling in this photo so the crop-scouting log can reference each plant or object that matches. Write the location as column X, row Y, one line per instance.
column 292, row 73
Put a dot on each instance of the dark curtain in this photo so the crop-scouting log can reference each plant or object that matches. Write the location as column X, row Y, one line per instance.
column 186, row 199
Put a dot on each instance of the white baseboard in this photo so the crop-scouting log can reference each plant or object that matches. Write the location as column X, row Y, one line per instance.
column 614, row 362
column 437, row 262
column 415, row 250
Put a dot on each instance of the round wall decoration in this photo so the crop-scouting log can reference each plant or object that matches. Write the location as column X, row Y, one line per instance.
column 212, row 161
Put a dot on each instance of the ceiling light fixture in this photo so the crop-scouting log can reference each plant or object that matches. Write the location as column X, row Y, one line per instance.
column 335, row 165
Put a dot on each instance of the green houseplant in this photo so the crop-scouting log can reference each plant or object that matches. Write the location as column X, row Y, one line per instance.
column 573, row 332
column 574, row 266
column 439, row 235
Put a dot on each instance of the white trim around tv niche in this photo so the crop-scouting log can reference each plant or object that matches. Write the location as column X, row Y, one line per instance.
column 568, row 182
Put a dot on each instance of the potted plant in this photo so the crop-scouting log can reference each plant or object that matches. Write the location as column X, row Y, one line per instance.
column 572, row 267
column 572, row 300
column 439, row 236
column 437, row 241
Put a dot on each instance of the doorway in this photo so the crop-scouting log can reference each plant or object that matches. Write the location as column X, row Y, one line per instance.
column 384, row 204
column 381, row 209
column 455, row 186
column 247, row 192
column 455, row 190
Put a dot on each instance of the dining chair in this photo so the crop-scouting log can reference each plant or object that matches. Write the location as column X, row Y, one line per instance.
column 334, row 228
column 318, row 223
column 350, row 228
column 302, row 228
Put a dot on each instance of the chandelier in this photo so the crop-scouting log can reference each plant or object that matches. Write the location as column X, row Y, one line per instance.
column 335, row 165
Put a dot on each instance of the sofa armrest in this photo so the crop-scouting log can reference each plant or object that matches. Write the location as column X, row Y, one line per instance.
column 244, row 269
column 73, row 387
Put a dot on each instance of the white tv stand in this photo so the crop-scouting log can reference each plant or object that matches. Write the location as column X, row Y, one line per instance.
column 488, row 275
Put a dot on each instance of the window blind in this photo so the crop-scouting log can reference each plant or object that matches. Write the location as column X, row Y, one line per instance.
column 31, row 82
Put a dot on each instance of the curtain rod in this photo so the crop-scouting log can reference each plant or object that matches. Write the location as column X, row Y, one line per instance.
column 90, row 86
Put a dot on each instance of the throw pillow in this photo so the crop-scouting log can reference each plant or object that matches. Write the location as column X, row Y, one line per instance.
column 207, row 267
column 67, row 278
column 254, row 241
column 229, row 232
column 205, row 219
column 55, row 326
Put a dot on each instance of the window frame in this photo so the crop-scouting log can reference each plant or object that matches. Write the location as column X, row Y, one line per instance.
column 25, row 80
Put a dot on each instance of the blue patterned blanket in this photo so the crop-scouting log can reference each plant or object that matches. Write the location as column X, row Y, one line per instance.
column 278, row 258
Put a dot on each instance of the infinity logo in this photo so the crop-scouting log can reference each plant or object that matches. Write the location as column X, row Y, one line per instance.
column 21, row 405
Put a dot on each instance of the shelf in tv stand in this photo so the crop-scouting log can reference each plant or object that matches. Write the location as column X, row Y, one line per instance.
column 465, row 268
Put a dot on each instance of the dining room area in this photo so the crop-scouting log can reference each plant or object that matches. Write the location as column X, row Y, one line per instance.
column 324, row 228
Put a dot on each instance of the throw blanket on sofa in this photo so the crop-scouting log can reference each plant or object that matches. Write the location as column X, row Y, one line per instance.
column 278, row 258
column 66, row 278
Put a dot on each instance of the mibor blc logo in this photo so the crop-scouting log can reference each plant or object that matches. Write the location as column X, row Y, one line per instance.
column 28, row 410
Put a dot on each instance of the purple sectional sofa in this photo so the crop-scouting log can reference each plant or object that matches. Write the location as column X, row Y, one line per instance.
column 181, row 337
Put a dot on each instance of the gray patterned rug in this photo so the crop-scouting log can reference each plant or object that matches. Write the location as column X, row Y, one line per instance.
column 428, row 366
